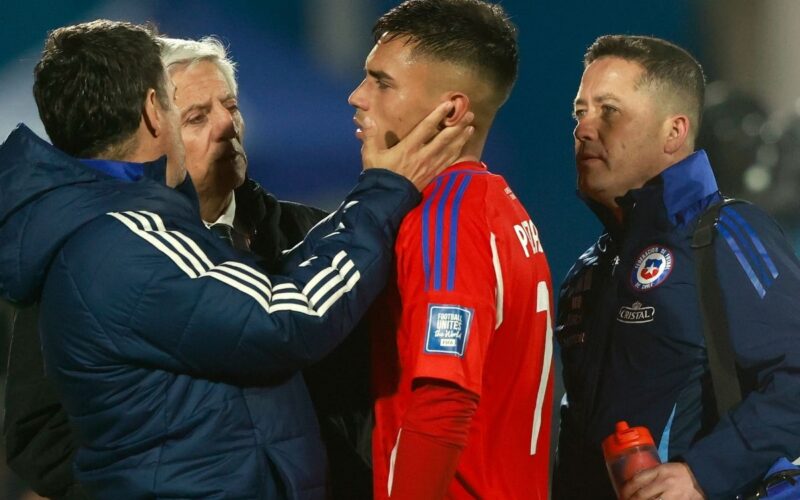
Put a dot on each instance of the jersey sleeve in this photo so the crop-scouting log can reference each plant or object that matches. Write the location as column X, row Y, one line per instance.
column 760, row 280
column 447, row 284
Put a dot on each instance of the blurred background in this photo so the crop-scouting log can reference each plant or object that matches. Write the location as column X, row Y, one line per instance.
column 299, row 60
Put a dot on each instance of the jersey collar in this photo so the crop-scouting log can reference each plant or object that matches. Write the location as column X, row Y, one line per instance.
column 473, row 166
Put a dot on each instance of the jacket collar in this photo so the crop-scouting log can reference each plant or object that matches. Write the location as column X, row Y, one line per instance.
column 122, row 170
column 681, row 191
column 686, row 184
column 155, row 170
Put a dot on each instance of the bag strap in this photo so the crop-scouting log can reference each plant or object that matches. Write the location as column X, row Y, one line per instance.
column 719, row 347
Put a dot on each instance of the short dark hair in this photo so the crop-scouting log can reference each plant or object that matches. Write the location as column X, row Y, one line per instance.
column 473, row 33
column 91, row 82
column 664, row 63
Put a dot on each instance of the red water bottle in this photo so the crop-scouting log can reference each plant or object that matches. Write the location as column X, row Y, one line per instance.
column 628, row 451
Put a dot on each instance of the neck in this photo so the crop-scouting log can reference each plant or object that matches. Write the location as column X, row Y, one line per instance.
column 473, row 149
column 677, row 157
column 141, row 148
column 213, row 204
column 616, row 211
column 464, row 158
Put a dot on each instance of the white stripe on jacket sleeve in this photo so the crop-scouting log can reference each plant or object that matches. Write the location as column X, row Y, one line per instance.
column 319, row 294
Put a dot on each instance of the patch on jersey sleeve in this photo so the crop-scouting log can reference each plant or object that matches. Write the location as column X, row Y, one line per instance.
column 448, row 329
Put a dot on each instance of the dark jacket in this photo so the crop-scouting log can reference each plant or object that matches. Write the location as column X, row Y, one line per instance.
column 632, row 342
column 39, row 444
column 174, row 356
column 339, row 384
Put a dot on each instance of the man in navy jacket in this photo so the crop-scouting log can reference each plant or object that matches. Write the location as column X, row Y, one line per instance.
column 629, row 322
column 176, row 357
column 39, row 445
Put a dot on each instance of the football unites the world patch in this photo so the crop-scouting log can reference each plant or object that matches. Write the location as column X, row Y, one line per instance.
column 651, row 267
column 448, row 329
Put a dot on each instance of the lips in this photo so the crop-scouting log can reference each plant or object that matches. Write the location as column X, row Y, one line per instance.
column 231, row 155
column 585, row 154
column 230, row 150
column 359, row 128
column 584, row 157
column 228, row 155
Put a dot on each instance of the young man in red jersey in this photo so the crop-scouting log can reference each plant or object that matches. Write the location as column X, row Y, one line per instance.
column 462, row 342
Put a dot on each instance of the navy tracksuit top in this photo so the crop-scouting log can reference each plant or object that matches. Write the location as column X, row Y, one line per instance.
column 632, row 345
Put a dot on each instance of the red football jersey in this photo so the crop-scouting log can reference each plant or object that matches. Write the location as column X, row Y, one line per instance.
column 471, row 305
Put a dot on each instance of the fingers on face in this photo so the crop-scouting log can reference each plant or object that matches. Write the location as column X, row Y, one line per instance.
column 429, row 126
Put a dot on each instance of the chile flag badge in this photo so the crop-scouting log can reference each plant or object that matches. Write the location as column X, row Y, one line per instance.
column 651, row 267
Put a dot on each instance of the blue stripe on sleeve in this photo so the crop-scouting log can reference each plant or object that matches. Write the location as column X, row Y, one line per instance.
column 438, row 247
column 426, row 209
column 756, row 241
column 742, row 260
column 451, row 265
column 746, row 244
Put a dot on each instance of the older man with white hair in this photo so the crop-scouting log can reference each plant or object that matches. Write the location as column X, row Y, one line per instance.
column 212, row 129
column 237, row 208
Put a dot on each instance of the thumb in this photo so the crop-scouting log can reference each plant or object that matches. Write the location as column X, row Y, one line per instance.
column 370, row 143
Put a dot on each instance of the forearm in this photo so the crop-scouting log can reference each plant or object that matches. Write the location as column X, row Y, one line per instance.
column 434, row 432
column 229, row 320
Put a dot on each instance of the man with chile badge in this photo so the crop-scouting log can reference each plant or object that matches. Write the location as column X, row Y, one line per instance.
column 629, row 321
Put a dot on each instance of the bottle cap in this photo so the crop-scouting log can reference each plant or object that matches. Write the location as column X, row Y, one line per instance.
column 624, row 438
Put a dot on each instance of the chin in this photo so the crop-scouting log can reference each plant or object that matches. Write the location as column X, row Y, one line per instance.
column 588, row 191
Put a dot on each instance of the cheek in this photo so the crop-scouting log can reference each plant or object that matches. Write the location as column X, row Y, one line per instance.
column 617, row 139
column 408, row 113
column 388, row 113
column 195, row 152
column 396, row 114
column 388, row 118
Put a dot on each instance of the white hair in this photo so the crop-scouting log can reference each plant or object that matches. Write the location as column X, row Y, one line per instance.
column 179, row 52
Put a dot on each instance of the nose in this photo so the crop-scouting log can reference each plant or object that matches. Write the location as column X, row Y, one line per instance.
column 585, row 129
column 357, row 98
column 225, row 125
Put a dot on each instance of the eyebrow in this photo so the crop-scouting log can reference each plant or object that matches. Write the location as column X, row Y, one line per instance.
column 380, row 75
column 601, row 98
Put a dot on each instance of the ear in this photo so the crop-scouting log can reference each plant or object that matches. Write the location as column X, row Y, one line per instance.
column 151, row 114
column 678, row 127
column 460, row 107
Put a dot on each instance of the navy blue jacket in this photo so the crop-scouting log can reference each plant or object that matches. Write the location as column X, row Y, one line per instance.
column 176, row 357
column 632, row 346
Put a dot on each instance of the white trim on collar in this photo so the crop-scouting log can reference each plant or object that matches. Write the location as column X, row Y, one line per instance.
column 227, row 216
